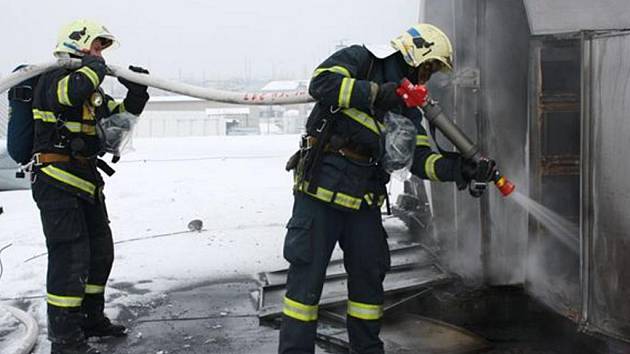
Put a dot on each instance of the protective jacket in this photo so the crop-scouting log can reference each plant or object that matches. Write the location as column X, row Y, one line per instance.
column 343, row 87
column 67, row 108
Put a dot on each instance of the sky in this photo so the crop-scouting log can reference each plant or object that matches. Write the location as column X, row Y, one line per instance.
column 208, row 40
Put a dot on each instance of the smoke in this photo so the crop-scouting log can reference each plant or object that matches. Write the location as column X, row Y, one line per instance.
column 552, row 260
column 556, row 289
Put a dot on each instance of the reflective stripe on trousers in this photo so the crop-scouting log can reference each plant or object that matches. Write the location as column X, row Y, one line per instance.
column 299, row 311
column 63, row 301
column 364, row 311
column 93, row 289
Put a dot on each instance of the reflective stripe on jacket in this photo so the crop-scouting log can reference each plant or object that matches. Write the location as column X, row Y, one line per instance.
column 67, row 105
column 342, row 86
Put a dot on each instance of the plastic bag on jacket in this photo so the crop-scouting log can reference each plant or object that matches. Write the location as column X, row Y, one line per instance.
column 400, row 143
column 115, row 132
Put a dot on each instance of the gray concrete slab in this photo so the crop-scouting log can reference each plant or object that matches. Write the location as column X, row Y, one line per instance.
column 215, row 317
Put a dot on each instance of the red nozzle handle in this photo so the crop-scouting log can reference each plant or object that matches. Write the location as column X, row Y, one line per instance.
column 504, row 185
column 404, row 86
column 413, row 95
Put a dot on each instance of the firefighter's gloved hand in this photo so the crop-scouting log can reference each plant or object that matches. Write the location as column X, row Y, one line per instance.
column 138, row 69
column 95, row 63
column 88, row 60
column 386, row 97
column 480, row 171
column 412, row 95
column 132, row 86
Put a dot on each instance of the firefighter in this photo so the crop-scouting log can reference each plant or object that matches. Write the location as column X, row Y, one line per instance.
column 340, row 184
column 69, row 107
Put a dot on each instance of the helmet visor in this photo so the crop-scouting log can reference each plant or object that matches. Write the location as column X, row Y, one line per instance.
column 428, row 68
column 107, row 41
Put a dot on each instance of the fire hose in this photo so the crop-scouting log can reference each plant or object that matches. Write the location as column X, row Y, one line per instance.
column 417, row 96
column 414, row 96
column 210, row 94
column 27, row 342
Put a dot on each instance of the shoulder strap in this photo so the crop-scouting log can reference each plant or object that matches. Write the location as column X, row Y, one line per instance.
column 370, row 66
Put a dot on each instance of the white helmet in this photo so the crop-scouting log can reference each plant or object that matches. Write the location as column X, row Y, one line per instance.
column 77, row 37
column 422, row 43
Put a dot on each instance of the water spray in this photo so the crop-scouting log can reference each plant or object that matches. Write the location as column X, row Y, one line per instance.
column 418, row 96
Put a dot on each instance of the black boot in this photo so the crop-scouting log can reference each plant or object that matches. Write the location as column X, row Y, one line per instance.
column 104, row 328
column 95, row 323
column 73, row 348
column 65, row 330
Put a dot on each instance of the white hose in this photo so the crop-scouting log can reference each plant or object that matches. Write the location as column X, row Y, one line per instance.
column 30, row 71
column 32, row 330
column 247, row 98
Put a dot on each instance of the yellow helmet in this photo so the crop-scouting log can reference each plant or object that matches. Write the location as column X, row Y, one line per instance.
column 76, row 37
column 424, row 42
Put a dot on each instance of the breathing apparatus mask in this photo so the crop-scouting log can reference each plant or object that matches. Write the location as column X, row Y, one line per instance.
column 115, row 132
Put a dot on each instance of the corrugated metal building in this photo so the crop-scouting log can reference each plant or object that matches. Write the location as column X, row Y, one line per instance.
column 544, row 87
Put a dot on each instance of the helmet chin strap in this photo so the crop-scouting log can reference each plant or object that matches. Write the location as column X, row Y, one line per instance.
column 62, row 55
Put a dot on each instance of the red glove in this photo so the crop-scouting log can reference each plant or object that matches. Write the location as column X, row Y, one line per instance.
column 412, row 95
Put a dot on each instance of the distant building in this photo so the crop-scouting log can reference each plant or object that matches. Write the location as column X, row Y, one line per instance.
column 286, row 119
column 169, row 116
column 229, row 121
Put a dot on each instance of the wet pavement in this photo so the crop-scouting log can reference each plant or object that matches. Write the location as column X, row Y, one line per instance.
column 220, row 316
column 215, row 317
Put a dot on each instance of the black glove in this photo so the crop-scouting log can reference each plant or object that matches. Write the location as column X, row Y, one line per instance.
column 138, row 69
column 293, row 161
column 97, row 64
column 480, row 171
column 386, row 97
column 132, row 86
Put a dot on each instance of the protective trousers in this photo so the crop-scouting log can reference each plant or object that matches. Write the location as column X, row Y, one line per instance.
column 80, row 256
column 314, row 229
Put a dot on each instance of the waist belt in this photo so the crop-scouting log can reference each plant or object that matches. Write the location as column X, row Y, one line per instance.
column 343, row 151
column 51, row 157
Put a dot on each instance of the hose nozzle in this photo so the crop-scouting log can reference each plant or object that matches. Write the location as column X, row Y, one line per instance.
column 503, row 184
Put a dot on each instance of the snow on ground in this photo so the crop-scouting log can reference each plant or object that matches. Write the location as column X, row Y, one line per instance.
column 236, row 185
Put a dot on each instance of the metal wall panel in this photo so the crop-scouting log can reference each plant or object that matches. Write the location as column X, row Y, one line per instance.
column 487, row 98
column 456, row 214
column 504, row 64
column 552, row 261
column 606, row 224
column 563, row 16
